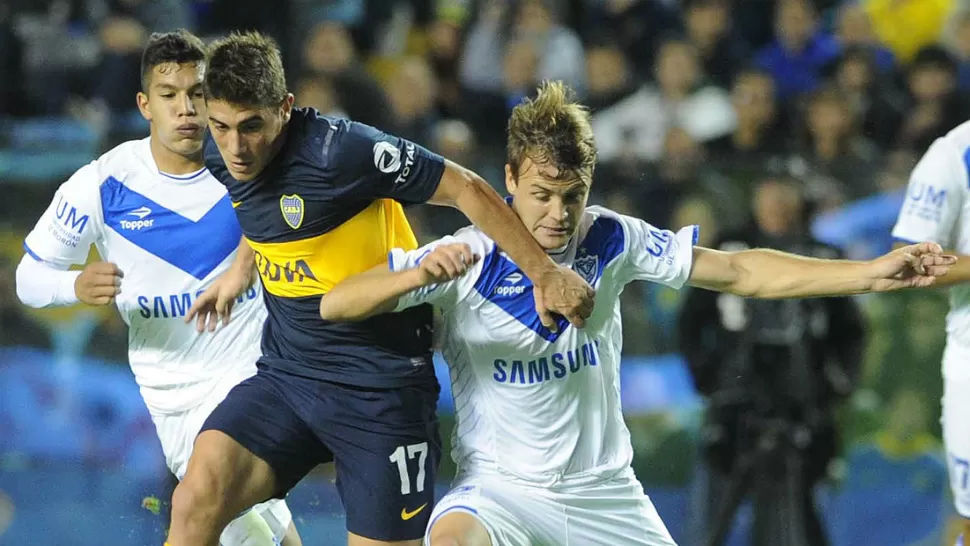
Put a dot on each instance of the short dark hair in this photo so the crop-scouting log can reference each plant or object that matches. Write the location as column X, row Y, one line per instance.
column 553, row 130
column 179, row 46
column 245, row 69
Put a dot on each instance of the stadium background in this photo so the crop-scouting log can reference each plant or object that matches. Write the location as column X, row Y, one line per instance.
column 685, row 131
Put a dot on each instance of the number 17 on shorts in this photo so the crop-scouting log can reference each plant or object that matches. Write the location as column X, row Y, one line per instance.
column 405, row 458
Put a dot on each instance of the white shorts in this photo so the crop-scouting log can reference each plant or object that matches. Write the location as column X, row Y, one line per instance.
column 609, row 513
column 956, row 438
column 177, row 432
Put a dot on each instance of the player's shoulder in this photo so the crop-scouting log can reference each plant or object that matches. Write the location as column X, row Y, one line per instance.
column 477, row 241
column 118, row 163
column 955, row 143
column 602, row 223
column 130, row 156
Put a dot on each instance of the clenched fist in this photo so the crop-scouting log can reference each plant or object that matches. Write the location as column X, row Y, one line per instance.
column 98, row 283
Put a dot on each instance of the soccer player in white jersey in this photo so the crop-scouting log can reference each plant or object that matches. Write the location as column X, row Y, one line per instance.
column 165, row 229
column 542, row 449
column 937, row 208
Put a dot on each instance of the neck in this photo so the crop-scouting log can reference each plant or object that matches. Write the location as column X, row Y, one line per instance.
column 826, row 148
column 674, row 94
column 170, row 162
column 747, row 136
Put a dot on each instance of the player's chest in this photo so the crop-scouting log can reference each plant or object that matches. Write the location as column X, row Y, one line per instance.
column 167, row 232
column 290, row 208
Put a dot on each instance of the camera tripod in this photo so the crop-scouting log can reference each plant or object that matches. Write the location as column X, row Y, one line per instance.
column 771, row 468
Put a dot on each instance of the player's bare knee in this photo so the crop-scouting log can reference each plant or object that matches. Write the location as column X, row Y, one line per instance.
column 458, row 529
column 191, row 503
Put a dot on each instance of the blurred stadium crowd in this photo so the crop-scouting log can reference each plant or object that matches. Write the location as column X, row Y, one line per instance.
column 694, row 102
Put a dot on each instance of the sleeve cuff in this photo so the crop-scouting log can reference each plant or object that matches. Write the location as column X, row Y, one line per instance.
column 396, row 259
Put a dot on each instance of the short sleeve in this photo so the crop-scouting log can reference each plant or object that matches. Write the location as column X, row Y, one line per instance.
column 657, row 255
column 64, row 234
column 934, row 196
column 443, row 295
column 380, row 165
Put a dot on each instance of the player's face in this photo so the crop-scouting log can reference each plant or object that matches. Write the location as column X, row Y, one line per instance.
column 549, row 207
column 247, row 137
column 175, row 106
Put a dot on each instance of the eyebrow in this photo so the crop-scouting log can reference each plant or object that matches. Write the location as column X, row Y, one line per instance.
column 250, row 119
column 575, row 186
column 170, row 87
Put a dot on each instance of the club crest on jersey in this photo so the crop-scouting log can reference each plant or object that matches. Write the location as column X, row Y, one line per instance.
column 587, row 266
column 292, row 207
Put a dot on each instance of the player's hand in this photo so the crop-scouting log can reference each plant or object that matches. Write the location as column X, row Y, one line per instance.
column 215, row 304
column 910, row 266
column 562, row 291
column 98, row 283
column 446, row 262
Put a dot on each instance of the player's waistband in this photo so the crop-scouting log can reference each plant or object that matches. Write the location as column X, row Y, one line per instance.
column 551, row 481
column 383, row 352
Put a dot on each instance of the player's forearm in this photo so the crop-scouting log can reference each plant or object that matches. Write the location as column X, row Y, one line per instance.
column 370, row 293
column 245, row 262
column 489, row 212
column 40, row 285
column 770, row 274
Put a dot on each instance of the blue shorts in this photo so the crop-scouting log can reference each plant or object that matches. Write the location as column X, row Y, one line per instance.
column 384, row 443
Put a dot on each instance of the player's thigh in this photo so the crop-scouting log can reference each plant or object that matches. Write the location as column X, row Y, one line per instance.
column 177, row 431
column 481, row 511
column 257, row 442
column 176, row 438
column 614, row 512
column 956, row 438
column 386, row 450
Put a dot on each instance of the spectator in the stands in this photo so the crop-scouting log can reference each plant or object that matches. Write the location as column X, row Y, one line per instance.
column 801, row 49
column 907, row 26
column 935, row 103
column 681, row 98
column 329, row 51
column 708, row 26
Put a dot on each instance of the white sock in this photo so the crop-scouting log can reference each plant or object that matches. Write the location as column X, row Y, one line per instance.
column 249, row 529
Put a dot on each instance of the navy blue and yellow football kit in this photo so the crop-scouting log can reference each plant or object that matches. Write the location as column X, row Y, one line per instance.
column 329, row 205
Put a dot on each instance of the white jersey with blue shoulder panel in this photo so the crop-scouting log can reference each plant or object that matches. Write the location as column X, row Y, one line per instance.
column 535, row 406
column 171, row 237
column 937, row 209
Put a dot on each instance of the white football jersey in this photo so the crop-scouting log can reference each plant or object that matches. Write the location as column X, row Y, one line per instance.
column 937, row 209
column 537, row 406
column 171, row 237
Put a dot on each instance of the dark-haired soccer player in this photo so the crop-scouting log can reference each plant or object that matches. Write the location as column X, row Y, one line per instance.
column 319, row 199
column 165, row 230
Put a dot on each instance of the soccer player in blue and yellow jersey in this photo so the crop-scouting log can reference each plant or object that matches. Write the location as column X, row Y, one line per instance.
column 319, row 199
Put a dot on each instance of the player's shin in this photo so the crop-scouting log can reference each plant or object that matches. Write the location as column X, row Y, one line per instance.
column 249, row 529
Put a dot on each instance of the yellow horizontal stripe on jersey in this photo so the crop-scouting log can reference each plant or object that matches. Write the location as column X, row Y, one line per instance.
column 312, row 266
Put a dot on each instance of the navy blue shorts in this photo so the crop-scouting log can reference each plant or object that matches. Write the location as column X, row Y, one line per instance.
column 384, row 443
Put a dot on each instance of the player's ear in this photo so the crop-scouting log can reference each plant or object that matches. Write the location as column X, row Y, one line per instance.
column 286, row 108
column 510, row 182
column 142, row 100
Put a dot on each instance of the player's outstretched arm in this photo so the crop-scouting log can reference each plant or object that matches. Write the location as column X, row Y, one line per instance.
column 378, row 290
column 772, row 274
column 558, row 289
